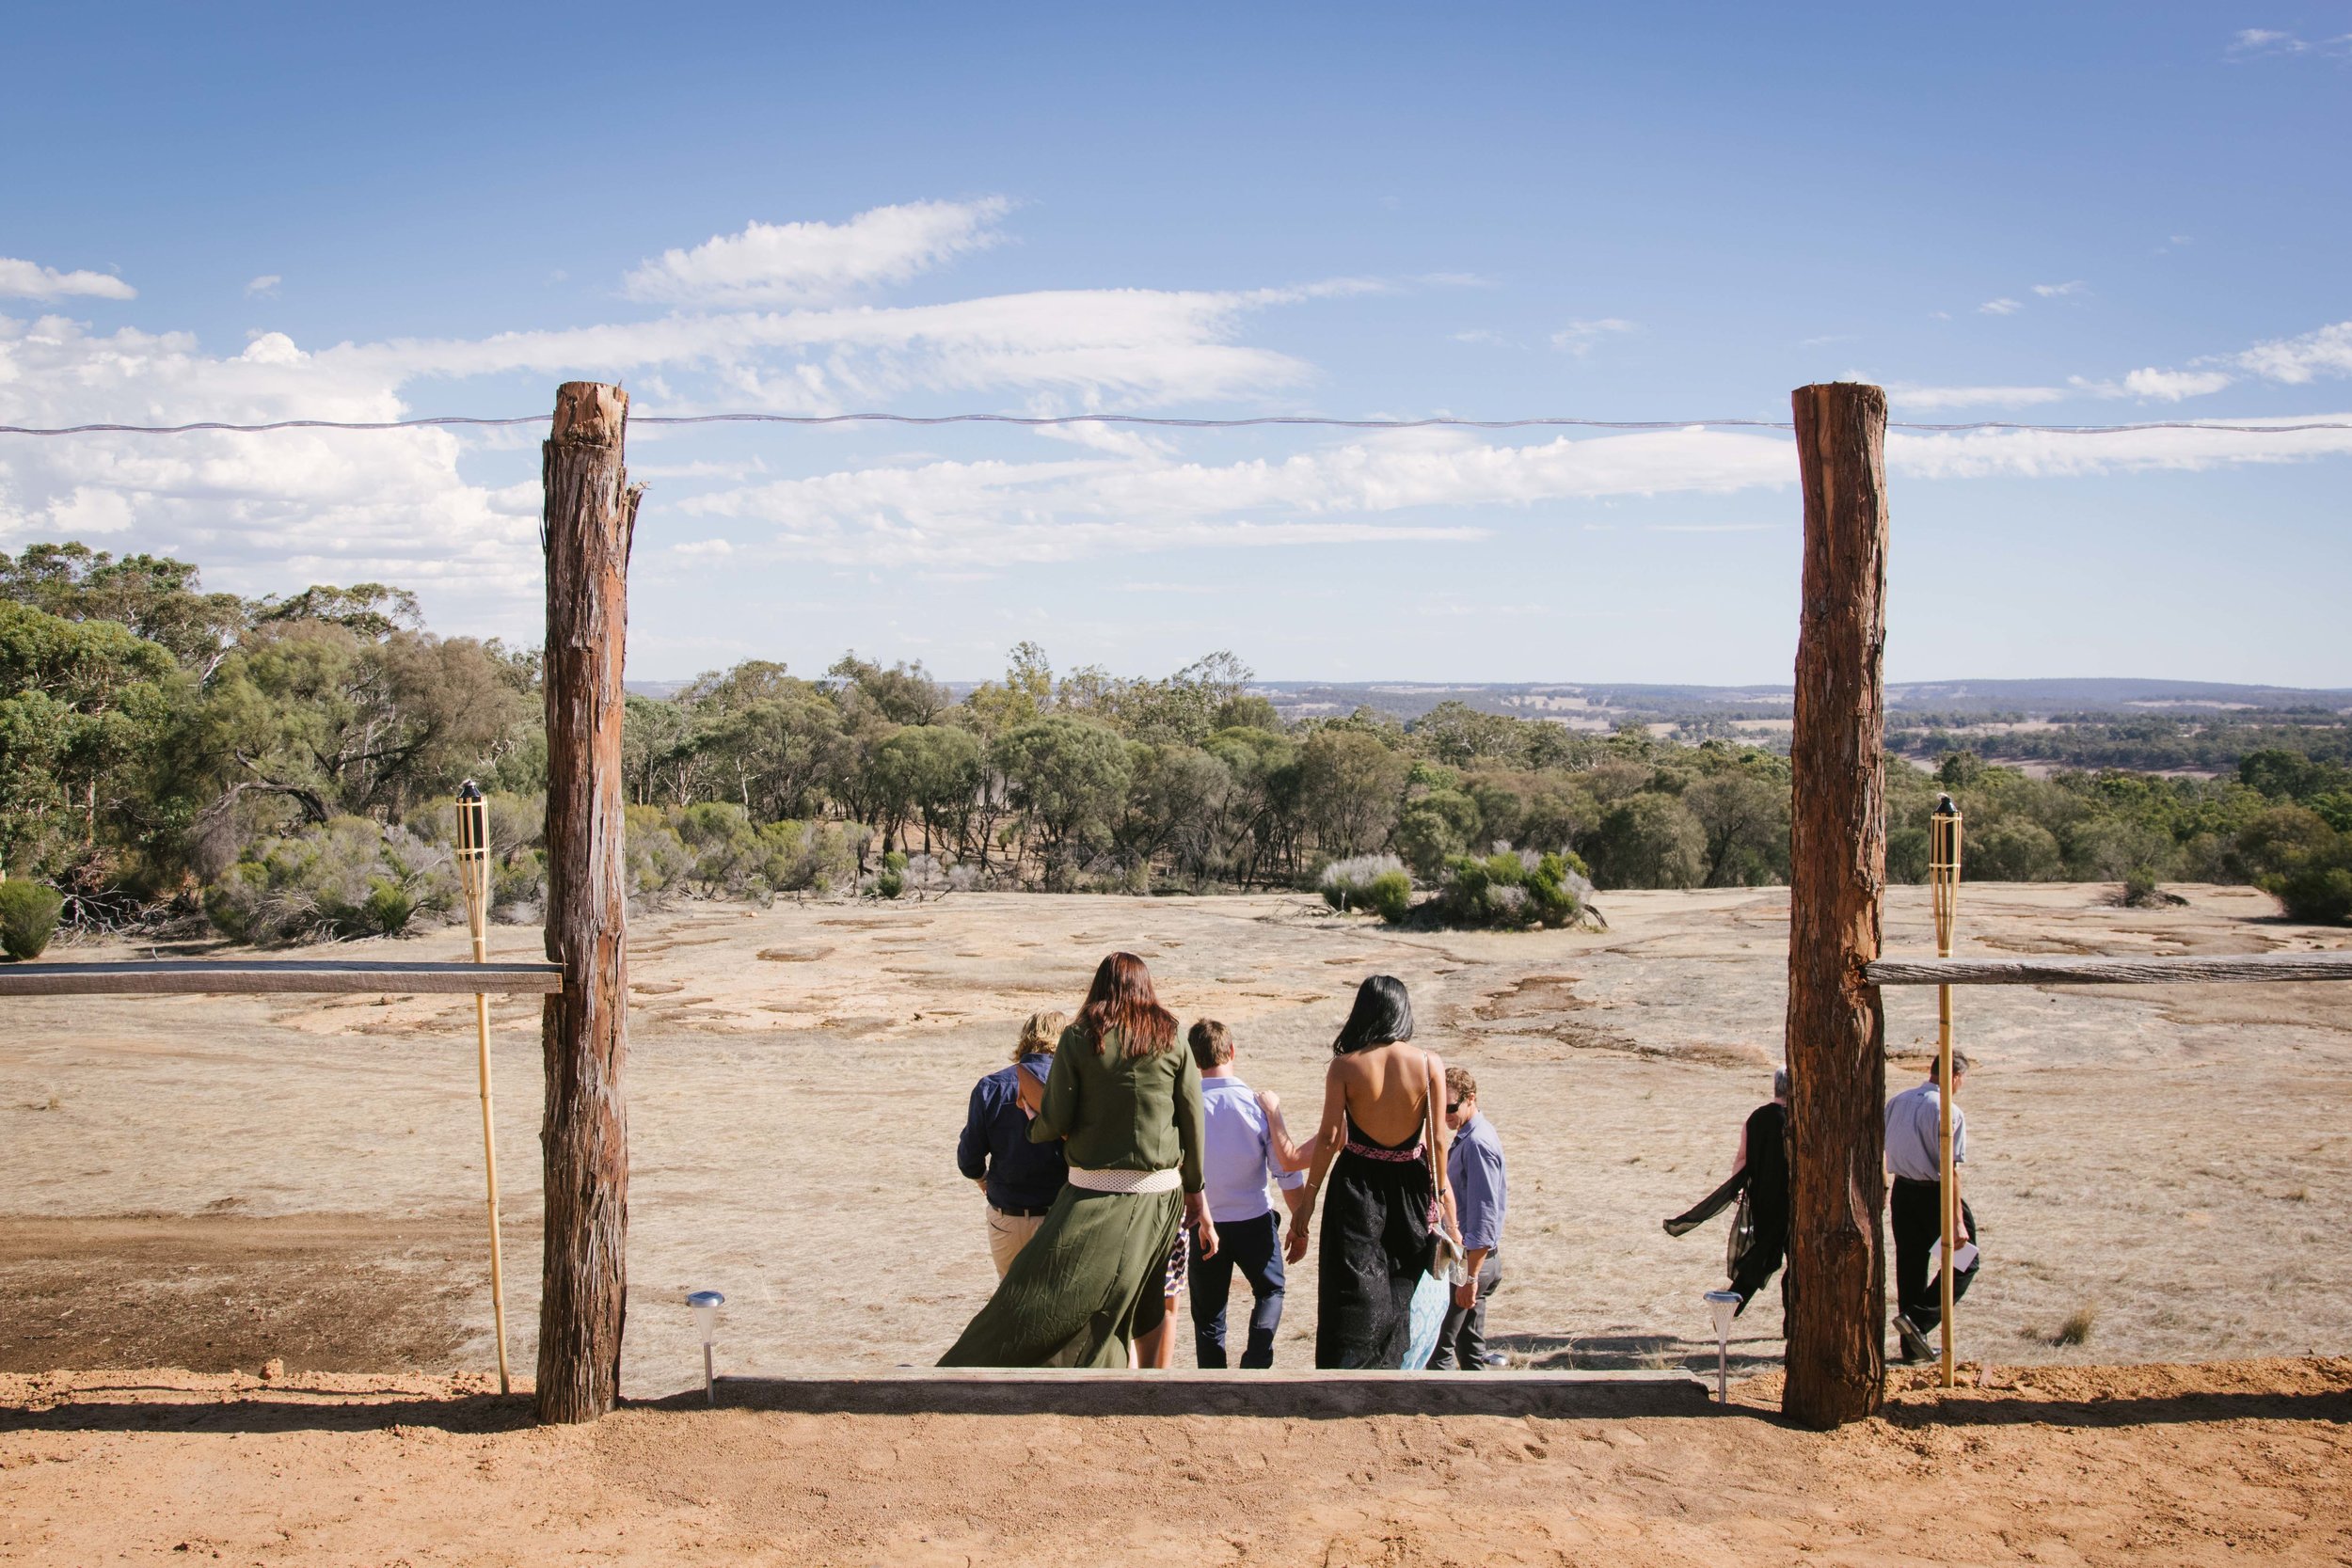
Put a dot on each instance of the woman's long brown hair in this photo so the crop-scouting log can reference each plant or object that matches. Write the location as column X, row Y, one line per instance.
column 1121, row 1000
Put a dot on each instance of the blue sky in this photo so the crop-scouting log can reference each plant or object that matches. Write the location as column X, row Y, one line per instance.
column 2065, row 215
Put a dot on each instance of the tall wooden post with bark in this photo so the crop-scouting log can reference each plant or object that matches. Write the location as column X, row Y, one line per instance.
column 591, row 514
column 1836, row 1357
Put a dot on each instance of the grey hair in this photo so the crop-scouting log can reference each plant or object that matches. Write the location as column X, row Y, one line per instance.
column 1961, row 1064
column 1780, row 1083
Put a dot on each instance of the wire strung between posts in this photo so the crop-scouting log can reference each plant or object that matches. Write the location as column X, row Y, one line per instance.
column 1162, row 421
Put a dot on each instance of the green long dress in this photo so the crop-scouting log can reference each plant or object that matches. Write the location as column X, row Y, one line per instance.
column 1091, row 1279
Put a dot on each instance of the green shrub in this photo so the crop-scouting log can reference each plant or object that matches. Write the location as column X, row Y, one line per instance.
column 1392, row 894
column 28, row 918
column 1347, row 885
column 351, row 878
column 1513, row 890
column 889, row 882
column 2318, row 895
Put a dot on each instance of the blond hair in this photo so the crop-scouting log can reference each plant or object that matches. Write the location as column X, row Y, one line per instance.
column 1040, row 1034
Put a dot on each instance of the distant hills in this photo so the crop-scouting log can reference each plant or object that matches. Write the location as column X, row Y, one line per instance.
column 1600, row 706
column 1606, row 705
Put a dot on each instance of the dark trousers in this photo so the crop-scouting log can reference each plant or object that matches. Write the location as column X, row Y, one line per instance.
column 1253, row 1246
column 1462, row 1338
column 1918, row 1212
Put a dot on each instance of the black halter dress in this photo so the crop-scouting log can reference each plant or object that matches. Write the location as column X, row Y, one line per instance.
column 1377, row 1211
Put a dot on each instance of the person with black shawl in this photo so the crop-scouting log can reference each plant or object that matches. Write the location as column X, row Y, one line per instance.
column 1759, row 1181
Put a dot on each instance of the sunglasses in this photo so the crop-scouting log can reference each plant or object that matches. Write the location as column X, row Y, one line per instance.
column 1452, row 1106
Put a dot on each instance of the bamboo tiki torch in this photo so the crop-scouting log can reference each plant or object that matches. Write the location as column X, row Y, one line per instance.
column 1944, row 878
column 474, row 871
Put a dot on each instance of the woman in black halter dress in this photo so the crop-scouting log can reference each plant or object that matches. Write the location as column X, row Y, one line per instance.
column 1380, row 1207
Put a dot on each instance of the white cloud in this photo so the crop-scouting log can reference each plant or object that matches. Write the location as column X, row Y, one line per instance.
column 1928, row 399
column 2296, row 360
column 2258, row 42
column 260, row 513
column 2002, row 306
column 1578, row 337
column 1103, row 346
column 791, row 263
column 2158, row 385
column 30, row 280
column 1346, row 492
column 2044, row 454
column 263, row 287
column 961, row 513
column 2054, row 291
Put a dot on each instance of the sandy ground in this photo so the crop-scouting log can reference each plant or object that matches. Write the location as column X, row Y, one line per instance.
column 325, row 1470
column 211, row 1181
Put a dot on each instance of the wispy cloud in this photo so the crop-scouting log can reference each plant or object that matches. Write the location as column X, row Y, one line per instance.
column 794, row 263
column 1581, row 338
column 2002, row 306
column 2156, row 385
column 263, row 287
column 2054, row 291
column 2253, row 43
column 21, row 279
column 1929, row 398
column 2296, row 360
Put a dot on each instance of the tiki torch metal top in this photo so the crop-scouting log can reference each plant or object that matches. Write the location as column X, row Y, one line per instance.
column 473, row 820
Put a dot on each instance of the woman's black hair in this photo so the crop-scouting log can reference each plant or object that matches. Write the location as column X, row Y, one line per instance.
column 1383, row 1015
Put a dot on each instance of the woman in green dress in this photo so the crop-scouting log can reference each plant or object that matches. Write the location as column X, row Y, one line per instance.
column 1125, row 1098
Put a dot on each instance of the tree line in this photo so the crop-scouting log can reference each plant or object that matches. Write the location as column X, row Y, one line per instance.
column 283, row 766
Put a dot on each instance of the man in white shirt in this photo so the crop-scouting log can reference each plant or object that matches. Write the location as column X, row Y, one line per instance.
column 1915, row 1160
column 1246, row 1146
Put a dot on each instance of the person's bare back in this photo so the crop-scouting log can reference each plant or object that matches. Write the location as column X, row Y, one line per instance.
column 1385, row 1091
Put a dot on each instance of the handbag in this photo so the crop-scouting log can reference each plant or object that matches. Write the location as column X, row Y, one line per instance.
column 1741, row 1240
column 1434, row 1292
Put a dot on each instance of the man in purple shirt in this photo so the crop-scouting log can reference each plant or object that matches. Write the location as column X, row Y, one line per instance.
column 1473, row 1169
column 1244, row 1145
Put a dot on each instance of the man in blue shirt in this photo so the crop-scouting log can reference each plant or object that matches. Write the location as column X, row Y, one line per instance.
column 1473, row 1169
column 1020, row 1178
column 1245, row 1143
column 1914, row 1160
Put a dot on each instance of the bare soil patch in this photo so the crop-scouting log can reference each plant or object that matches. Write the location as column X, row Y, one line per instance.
column 2060, row 1466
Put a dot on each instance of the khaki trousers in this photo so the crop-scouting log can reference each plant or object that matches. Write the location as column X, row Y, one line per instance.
column 1007, row 1234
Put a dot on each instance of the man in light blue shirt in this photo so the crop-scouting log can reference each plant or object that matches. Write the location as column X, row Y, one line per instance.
column 1914, row 1160
column 1245, row 1144
column 1473, row 1169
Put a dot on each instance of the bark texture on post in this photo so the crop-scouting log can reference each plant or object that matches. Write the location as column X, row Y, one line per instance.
column 591, row 514
column 1836, row 1357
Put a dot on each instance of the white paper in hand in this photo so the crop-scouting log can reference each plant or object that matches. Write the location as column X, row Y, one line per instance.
column 1966, row 1255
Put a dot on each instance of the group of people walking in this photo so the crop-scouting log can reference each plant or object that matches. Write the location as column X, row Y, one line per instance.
column 1122, row 1167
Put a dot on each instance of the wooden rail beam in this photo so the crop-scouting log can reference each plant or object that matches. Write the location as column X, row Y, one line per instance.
column 2168, row 969
column 249, row 976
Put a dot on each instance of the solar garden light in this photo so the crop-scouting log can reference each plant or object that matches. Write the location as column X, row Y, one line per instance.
column 474, row 875
column 706, row 1304
column 1944, row 880
column 1723, row 1303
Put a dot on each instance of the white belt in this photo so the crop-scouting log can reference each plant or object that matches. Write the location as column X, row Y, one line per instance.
column 1126, row 1180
